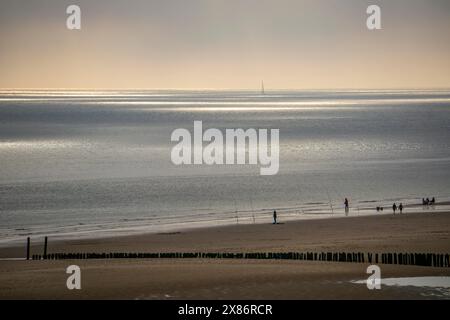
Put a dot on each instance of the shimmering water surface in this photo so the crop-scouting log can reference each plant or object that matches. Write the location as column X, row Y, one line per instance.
column 81, row 162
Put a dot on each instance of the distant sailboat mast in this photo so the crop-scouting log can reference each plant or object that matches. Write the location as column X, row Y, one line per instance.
column 262, row 87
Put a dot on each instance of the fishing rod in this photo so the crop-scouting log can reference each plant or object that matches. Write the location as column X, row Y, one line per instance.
column 329, row 199
column 236, row 211
column 253, row 212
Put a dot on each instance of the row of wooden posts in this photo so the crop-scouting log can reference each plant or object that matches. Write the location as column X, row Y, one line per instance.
column 417, row 259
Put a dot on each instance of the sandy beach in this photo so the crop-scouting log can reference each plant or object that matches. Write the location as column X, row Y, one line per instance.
column 237, row 279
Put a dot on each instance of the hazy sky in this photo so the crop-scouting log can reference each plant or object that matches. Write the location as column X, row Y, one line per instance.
column 291, row 44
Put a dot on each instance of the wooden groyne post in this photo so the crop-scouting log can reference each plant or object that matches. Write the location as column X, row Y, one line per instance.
column 28, row 248
column 419, row 259
column 45, row 248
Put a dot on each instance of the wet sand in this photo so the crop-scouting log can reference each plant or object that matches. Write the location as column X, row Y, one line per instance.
column 237, row 279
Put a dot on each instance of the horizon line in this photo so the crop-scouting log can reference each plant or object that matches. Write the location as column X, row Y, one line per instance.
column 219, row 89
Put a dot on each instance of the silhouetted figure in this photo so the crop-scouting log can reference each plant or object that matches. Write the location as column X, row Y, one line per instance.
column 427, row 201
column 423, row 201
column 274, row 217
column 433, row 200
column 346, row 205
column 394, row 207
column 400, row 207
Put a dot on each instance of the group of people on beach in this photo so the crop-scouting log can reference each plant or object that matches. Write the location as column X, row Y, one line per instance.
column 399, row 207
column 394, row 208
column 428, row 202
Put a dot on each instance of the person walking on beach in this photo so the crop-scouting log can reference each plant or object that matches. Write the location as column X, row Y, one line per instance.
column 274, row 216
column 394, row 207
column 400, row 207
column 346, row 205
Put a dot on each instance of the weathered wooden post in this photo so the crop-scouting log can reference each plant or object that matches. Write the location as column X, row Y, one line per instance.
column 45, row 248
column 28, row 248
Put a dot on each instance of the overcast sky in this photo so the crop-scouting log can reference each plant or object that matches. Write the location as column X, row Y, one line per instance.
column 290, row 44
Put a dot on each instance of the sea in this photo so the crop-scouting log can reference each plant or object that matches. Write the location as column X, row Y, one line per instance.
column 93, row 163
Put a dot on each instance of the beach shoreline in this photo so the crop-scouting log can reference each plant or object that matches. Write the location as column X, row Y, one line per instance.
column 263, row 216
